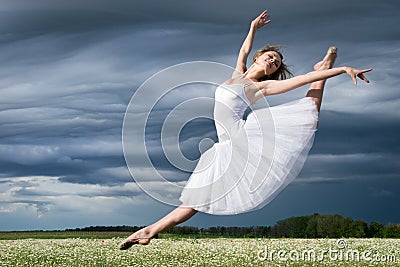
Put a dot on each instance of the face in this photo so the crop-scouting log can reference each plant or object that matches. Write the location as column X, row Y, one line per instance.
column 270, row 61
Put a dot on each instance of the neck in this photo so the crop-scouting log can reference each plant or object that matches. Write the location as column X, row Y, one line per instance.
column 254, row 73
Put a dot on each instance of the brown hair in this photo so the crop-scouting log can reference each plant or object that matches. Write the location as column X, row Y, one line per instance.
column 282, row 72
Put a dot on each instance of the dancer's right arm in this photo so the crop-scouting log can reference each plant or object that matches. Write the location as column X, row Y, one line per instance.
column 260, row 21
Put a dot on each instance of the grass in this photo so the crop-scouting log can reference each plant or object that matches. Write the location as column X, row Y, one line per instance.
column 92, row 235
column 61, row 235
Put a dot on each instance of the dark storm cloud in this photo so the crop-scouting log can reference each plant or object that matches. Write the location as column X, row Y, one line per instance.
column 69, row 68
column 99, row 14
column 78, row 15
column 349, row 133
column 358, row 147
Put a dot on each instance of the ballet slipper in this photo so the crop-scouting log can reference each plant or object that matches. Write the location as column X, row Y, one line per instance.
column 332, row 50
column 331, row 53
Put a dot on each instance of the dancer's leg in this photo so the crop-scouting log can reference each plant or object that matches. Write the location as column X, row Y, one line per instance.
column 143, row 236
column 316, row 89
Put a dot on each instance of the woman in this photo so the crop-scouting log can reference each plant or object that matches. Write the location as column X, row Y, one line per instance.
column 250, row 181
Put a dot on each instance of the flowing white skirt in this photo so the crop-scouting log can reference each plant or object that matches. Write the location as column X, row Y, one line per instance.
column 248, row 171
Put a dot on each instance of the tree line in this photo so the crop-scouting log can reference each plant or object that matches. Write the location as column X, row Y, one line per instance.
column 332, row 226
column 310, row 226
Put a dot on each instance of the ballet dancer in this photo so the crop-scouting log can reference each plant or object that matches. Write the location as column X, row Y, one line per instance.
column 295, row 126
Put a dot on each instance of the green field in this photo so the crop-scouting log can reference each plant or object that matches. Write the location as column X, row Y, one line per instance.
column 100, row 249
column 60, row 235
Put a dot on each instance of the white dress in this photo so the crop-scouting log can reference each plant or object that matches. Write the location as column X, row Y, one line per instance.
column 255, row 158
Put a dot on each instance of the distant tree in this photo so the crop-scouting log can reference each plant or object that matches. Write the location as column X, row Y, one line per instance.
column 311, row 228
column 323, row 226
column 375, row 229
column 335, row 227
column 360, row 229
column 213, row 230
column 281, row 228
column 347, row 225
column 298, row 226
column 391, row 231
column 263, row 231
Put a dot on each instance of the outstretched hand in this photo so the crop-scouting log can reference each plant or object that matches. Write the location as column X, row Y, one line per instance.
column 261, row 20
column 354, row 73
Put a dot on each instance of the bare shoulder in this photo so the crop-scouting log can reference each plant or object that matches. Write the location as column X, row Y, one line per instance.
column 237, row 79
column 237, row 74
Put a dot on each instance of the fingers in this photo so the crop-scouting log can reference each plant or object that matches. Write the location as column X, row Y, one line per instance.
column 265, row 12
column 264, row 17
column 354, row 79
column 265, row 22
column 366, row 70
column 261, row 20
column 362, row 76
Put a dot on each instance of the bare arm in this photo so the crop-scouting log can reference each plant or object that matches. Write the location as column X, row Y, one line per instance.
column 260, row 21
column 272, row 87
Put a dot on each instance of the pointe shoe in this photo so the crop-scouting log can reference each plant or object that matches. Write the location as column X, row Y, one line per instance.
column 330, row 54
column 124, row 245
column 332, row 50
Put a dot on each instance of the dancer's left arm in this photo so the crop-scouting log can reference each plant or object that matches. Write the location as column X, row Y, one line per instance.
column 273, row 87
column 260, row 21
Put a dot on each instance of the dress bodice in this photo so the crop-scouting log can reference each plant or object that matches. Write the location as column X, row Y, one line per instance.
column 230, row 105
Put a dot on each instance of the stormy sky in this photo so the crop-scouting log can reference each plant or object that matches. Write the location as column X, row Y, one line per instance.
column 68, row 70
